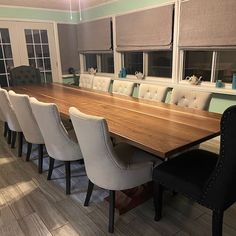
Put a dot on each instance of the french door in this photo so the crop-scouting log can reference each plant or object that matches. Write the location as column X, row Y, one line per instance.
column 28, row 43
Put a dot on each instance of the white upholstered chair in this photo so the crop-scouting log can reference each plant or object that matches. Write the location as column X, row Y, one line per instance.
column 190, row 98
column 86, row 81
column 152, row 92
column 119, row 168
column 58, row 144
column 101, row 83
column 14, row 128
column 28, row 124
column 3, row 119
column 122, row 87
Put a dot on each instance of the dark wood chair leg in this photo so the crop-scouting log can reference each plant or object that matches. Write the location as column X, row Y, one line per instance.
column 13, row 141
column 20, row 143
column 89, row 193
column 112, row 200
column 68, row 177
column 29, row 148
column 5, row 129
column 9, row 136
column 51, row 165
column 40, row 162
column 157, row 197
column 217, row 222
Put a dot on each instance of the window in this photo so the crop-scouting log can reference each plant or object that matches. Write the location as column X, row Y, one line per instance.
column 160, row 64
column 198, row 63
column 107, row 63
column 225, row 66
column 90, row 61
column 211, row 65
column 103, row 62
column 133, row 61
column 38, row 52
column 6, row 60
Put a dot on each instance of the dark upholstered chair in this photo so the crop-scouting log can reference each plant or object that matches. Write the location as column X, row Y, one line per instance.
column 205, row 177
column 25, row 75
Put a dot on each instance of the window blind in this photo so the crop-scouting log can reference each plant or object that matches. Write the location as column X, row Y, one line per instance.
column 208, row 23
column 95, row 36
column 68, row 44
column 145, row 30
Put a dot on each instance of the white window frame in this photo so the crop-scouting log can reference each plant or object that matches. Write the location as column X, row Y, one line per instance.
column 212, row 81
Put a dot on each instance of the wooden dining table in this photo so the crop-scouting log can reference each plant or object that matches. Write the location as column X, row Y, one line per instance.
column 159, row 128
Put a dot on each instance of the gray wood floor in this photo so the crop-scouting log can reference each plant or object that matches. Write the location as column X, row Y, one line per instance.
column 31, row 205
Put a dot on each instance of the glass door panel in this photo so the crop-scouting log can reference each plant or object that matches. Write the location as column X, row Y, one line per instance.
column 6, row 58
column 39, row 53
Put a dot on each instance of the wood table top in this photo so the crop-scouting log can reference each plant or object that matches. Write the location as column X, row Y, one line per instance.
column 159, row 128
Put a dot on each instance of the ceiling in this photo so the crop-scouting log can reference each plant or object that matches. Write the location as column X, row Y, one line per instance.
column 55, row 4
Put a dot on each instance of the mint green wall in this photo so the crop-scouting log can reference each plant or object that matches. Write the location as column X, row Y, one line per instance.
column 115, row 7
column 38, row 14
column 118, row 7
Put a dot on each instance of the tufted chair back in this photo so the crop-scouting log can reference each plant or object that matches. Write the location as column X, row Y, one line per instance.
column 220, row 191
column 25, row 75
column 24, row 114
column 152, row 92
column 123, row 87
column 101, row 83
column 58, row 144
column 192, row 99
column 86, row 81
column 8, row 111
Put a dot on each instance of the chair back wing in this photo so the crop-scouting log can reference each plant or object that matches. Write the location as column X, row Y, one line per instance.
column 152, row 92
column 57, row 142
column 220, row 189
column 8, row 111
column 25, row 117
column 123, row 87
column 102, row 165
column 86, row 81
column 101, row 83
column 2, row 117
column 25, row 75
column 191, row 99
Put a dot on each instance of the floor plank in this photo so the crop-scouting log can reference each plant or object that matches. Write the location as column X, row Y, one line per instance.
column 32, row 225
column 31, row 205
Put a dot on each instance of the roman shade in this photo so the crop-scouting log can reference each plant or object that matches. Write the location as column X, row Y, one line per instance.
column 68, row 43
column 145, row 30
column 208, row 23
column 95, row 36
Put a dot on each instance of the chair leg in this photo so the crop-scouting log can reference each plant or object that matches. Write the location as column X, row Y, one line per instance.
column 51, row 165
column 68, row 176
column 89, row 193
column 217, row 221
column 20, row 143
column 29, row 148
column 112, row 200
column 40, row 163
column 157, row 197
column 5, row 129
column 13, row 141
column 9, row 136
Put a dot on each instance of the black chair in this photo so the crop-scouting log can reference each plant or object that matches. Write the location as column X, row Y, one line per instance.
column 202, row 176
column 25, row 75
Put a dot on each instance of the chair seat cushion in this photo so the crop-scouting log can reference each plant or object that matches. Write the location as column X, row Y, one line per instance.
column 187, row 173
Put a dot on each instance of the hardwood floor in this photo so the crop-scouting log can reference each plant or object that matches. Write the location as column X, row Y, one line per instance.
column 31, row 205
